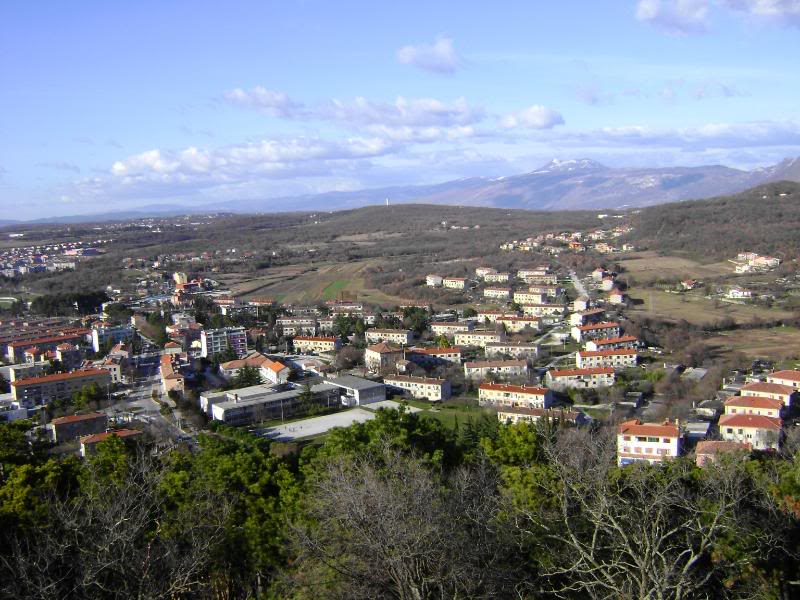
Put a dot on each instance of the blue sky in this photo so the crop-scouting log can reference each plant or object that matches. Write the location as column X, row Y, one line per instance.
column 113, row 105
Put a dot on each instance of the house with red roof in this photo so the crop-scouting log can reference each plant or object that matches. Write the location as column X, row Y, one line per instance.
column 760, row 431
column 651, row 442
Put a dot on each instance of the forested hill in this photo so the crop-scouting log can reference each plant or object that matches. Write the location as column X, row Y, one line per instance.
column 763, row 219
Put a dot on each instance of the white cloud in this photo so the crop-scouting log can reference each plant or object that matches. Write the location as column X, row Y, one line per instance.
column 60, row 165
column 676, row 16
column 440, row 57
column 277, row 104
column 414, row 112
column 782, row 11
column 533, row 117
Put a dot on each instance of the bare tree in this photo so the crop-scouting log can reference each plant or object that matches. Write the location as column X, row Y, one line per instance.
column 643, row 532
column 390, row 527
column 116, row 540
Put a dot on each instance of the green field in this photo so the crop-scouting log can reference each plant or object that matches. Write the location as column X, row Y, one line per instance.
column 330, row 292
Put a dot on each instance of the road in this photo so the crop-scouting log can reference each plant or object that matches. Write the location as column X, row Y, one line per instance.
column 578, row 284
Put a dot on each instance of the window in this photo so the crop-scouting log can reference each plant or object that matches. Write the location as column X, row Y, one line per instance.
column 627, row 438
column 653, row 440
column 641, row 439
column 730, row 430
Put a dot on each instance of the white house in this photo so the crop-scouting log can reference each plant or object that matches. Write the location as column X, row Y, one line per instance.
column 651, row 442
column 505, row 368
column 762, row 432
column 580, row 378
column 432, row 280
column 505, row 394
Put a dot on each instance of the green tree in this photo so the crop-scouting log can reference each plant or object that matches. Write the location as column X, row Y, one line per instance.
column 247, row 376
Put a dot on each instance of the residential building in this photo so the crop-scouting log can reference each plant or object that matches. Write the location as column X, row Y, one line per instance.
column 615, row 343
column 505, row 394
column 482, row 272
column 451, row 328
column 15, row 350
column 499, row 293
column 584, row 317
column 789, row 377
column 617, row 359
column 594, row 331
column 271, row 371
column 454, row 283
column 432, row 280
column 541, row 310
column 580, row 378
column 424, row 388
column 357, row 391
column 106, row 333
column 66, row 429
column 535, row 272
column 753, row 405
column 651, row 442
column 490, row 316
column 395, row 336
column 303, row 343
column 707, row 451
column 89, row 442
column 764, row 389
column 616, row 297
column 382, row 357
column 171, row 377
column 496, row 277
column 579, row 305
column 214, row 341
column 524, row 414
column 431, row 357
column 761, row 432
column 292, row 326
column 738, row 293
column 40, row 390
column 503, row 368
column 511, row 349
column 607, row 284
column 518, row 324
column 478, row 338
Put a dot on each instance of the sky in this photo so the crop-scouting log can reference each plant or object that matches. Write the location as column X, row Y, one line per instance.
column 109, row 106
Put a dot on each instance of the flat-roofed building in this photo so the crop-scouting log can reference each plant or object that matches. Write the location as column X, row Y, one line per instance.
column 499, row 293
column 541, row 310
column 106, row 333
column 310, row 343
column 34, row 391
column 402, row 337
column 262, row 403
column 481, row 369
column 497, row 277
column 506, row 394
column 424, row 388
column 651, row 442
column 297, row 325
column 478, row 338
column 449, row 328
column 580, row 378
column 511, row 349
column 520, row 324
column 357, row 391
column 454, row 283
column 617, row 359
column 214, row 341
column 595, row 331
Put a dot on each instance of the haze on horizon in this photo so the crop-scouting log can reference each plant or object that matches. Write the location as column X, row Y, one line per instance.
column 110, row 106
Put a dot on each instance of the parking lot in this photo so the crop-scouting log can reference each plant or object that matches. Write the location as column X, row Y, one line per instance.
column 317, row 425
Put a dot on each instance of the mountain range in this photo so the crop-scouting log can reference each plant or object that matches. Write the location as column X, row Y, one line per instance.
column 558, row 185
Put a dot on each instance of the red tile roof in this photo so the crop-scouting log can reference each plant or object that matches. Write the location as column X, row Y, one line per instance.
column 770, row 388
column 46, row 340
column 754, row 402
column 624, row 339
column 59, row 377
column 790, row 374
column 99, row 437
column 495, row 363
column 621, row 351
column 752, row 421
column 708, row 447
column 77, row 418
column 604, row 325
column 383, row 348
column 312, row 338
column 636, row 427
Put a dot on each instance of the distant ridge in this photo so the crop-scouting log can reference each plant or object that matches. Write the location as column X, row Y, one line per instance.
column 570, row 184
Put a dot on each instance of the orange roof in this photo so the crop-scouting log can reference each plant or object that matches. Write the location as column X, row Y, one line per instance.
column 45, row 340
column 383, row 348
column 770, row 388
column 751, row 421
column 172, row 345
column 453, row 350
column 636, row 427
column 754, row 402
column 495, row 363
column 615, row 340
column 621, row 351
column 605, row 325
column 77, row 418
column 790, row 374
column 589, row 371
column 60, row 377
column 519, row 389
column 99, row 437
